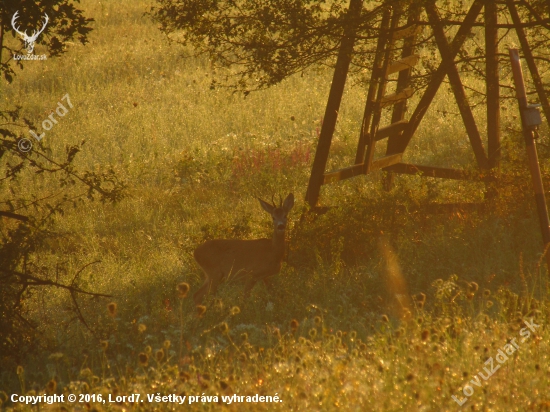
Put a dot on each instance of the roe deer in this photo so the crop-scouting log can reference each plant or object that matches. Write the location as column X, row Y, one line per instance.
column 252, row 260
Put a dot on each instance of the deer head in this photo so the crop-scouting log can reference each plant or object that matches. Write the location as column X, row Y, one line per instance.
column 29, row 40
column 279, row 213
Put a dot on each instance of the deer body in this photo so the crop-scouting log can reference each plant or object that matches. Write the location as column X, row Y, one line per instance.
column 249, row 260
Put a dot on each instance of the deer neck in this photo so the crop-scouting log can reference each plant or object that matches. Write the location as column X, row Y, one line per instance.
column 278, row 244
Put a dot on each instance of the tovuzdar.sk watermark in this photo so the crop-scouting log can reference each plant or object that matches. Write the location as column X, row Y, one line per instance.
column 501, row 357
column 29, row 57
column 30, row 41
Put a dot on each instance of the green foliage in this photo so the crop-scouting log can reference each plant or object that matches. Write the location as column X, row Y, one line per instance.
column 270, row 40
column 266, row 42
column 30, row 216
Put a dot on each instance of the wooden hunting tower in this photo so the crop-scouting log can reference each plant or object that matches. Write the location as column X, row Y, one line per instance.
column 400, row 26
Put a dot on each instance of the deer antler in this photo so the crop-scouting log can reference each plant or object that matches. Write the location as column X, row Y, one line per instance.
column 36, row 34
column 13, row 19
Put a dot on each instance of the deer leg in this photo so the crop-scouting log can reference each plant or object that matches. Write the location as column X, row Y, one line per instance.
column 248, row 288
column 268, row 282
column 214, row 284
column 203, row 290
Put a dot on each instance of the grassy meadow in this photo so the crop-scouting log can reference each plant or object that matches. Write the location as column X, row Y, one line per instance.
column 380, row 304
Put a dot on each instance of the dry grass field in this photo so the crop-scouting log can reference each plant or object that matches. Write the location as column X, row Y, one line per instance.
column 380, row 304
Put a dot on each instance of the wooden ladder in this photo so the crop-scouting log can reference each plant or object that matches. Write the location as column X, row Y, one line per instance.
column 384, row 66
column 400, row 131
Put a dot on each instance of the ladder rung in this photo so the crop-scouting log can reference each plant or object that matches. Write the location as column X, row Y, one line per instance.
column 386, row 161
column 344, row 173
column 359, row 169
column 395, row 98
column 431, row 171
column 407, row 32
column 403, row 64
column 391, row 129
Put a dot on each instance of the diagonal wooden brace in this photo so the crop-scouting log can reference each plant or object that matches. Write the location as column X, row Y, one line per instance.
column 399, row 146
column 447, row 61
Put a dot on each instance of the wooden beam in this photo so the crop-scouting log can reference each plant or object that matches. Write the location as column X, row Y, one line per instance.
column 345, row 173
column 333, row 104
column 431, row 171
column 531, row 148
column 403, row 81
column 386, row 161
column 398, row 146
column 383, row 79
column 403, row 64
column 12, row 215
column 528, row 55
column 492, row 84
column 376, row 74
column 447, row 22
column 410, row 31
column 360, row 169
column 447, row 59
column 394, row 128
column 394, row 98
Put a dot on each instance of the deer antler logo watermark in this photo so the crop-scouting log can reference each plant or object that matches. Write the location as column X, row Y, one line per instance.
column 29, row 40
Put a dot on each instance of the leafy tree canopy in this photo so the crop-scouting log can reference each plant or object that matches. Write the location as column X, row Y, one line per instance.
column 266, row 41
column 27, row 218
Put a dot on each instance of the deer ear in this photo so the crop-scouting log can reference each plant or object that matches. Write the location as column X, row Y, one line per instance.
column 266, row 206
column 288, row 203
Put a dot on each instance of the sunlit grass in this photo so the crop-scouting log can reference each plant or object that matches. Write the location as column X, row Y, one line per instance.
column 195, row 159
